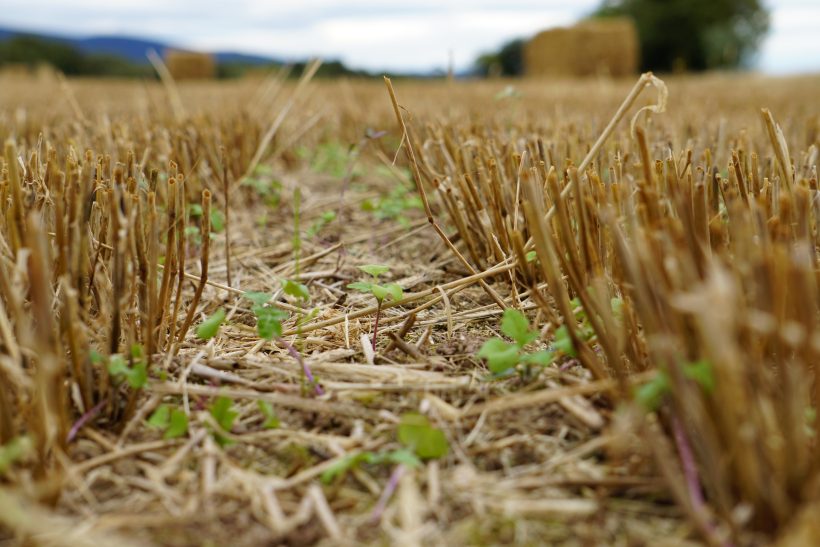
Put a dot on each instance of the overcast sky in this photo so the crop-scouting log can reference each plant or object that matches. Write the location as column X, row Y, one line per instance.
column 371, row 34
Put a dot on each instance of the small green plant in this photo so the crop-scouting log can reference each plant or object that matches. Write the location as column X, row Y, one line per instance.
column 331, row 158
column 173, row 422
column 217, row 223
column 324, row 219
column 295, row 289
column 416, row 433
column 269, row 324
column 265, row 185
column 421, row 441
column 394, row 205
column 271, row 419
column 224, row 415
column 503, row 357
column 268, row 318
column 208, row 328
column 13, row 451
column 379, row 291
column 652, row 394
column 135, row 373
column 394, row 457
column 562, row 342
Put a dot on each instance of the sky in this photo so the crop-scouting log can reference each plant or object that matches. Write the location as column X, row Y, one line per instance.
column 377, row 35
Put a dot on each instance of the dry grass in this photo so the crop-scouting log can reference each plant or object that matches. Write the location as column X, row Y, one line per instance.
column 703, row 224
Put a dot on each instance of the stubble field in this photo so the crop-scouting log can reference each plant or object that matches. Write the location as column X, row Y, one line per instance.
column 183, row 360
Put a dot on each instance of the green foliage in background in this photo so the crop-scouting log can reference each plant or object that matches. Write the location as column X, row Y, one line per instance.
column 693, row 34
column 33, row 51
column 507, row 61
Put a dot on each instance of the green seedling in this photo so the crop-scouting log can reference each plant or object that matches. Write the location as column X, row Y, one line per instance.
column 295, row 289
column 326, row 218
column 217, row 223
column 423, row 442
column 223, row 414
column 380, row 292
column 217, row 217
column 562, row 342
column 810, row 415
column 269, row 324
column 652, row 394
column 173, row 422
column 268, row 318
column 13, row 451
column 134, row 373
column 331, row 158
column 271, row 419
column 394, row 205
column 265, row 185
column 416, row 433
column 504, row 357
column 208, row 328
column 357, row 459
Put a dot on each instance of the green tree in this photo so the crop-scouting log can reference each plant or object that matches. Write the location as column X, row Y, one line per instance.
column 33, row 51
column 507, row 61
column 693, row 34
column 30, row 50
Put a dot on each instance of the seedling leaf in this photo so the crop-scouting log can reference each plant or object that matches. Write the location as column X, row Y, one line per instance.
column 362, row 286
column 563, row 342
column 701, row 372
column 14, row 450
column 394, row 290
column 258, row 298
column 374, row 269
column 217, row 221
column 342, row 466
column 208, row 328
column 160, row 418
column 500, row 355
column 224, row 417
column 137, row 376
column 178, row 425
column 269, row 321
column 404, row 457
column 271, row 419
column 651, row 394
column 542, row 358
column 295, row 289
column 416, row 433
column 117, row 366
column 515, row 325
column 378, row 291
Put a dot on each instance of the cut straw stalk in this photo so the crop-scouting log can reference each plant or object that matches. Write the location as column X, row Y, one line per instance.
column 205, row 234
column 423, row 194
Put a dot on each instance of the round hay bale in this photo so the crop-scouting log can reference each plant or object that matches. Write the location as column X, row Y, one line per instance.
column 188, row 65
column 595, row 47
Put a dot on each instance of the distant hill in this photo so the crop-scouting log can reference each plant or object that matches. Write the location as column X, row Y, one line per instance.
column 131, row 49
column 122, row 56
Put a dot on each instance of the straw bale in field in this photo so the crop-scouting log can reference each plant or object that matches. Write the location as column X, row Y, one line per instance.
column 187, row 65
column 594, row 47
column 15, row 70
